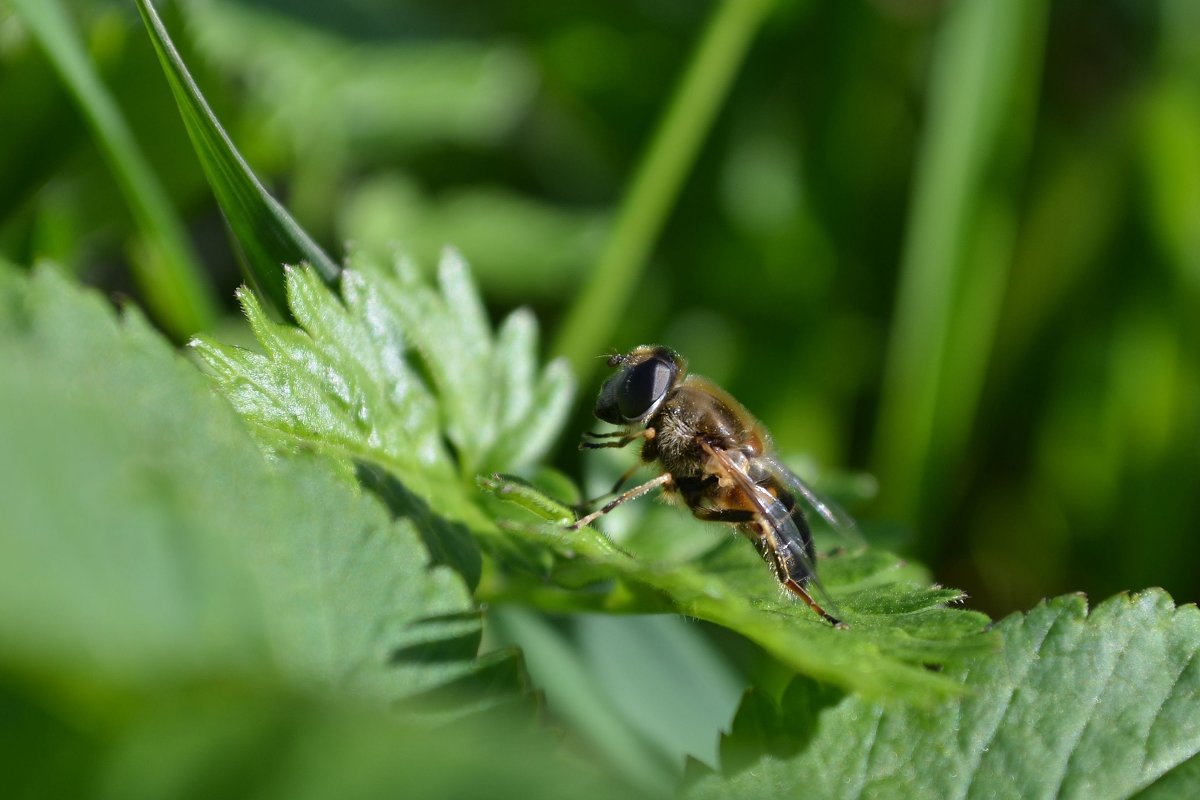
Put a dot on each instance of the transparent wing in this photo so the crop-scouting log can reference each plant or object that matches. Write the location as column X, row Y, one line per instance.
column 776, row 514
column 841, row 522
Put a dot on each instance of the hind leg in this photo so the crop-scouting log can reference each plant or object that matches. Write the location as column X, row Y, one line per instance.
column 792, row 574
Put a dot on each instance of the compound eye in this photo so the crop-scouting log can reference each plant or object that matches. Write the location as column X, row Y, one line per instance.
column 645, row 385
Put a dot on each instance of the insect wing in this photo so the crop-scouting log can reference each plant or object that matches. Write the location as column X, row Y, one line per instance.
column 776, row 514
column 841, row 522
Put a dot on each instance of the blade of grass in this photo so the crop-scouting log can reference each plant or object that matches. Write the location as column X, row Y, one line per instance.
column 265, row 232
column 958, row 250
column 177, row 291
column 597, row 309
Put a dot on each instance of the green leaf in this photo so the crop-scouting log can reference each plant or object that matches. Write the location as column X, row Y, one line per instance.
column 898, row 623
column 247, row 740
column 665, row 677
column 393, row 370
column 266, row 234
column 146, row 539
column 176, row 288
column 1097, row 705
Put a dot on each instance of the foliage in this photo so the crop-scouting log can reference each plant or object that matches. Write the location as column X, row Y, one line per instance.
column 263, row 229
column 171, row 597
column 318, row 590
column 350, row 383
column 358, row 579
column 1099, row 704
column 343, row 380
column 166, row 268
column 175, row 549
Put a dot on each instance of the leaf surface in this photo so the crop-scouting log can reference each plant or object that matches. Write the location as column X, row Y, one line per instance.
column 402, row 375
column 407, row 384
column 898, row 622
column 1097, row 705
column 146, row 537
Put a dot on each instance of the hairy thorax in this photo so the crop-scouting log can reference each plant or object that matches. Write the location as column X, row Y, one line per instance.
column 691, row 416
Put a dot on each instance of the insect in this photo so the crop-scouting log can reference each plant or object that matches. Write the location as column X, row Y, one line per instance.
column 715, row 457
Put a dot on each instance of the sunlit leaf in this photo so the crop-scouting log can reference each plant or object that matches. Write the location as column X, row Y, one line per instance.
column 1097, row 705
column 898, row 623
column 146, row 538
column 411, row 379
column 383, row 371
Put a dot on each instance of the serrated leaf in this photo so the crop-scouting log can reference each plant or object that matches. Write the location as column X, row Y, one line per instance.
column 351, row 380
column 898, row 624
column 1097, row 705
column 145, row 538
column 470, row 371
column 265, row 232
column 526, row 438
column 448, row 543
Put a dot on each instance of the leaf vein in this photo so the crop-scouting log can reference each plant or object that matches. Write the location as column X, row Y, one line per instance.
column 1087, row 717
column 870, row 751
column 1146, row 780
column 973, row 771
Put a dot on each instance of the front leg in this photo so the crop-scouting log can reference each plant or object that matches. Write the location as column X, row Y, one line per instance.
column 662, row 481
column 620, row 439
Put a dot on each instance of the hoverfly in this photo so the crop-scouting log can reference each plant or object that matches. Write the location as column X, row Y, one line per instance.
column 715, row 457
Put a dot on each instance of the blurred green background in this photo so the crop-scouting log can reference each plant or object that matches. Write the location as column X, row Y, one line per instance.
column 955, row 246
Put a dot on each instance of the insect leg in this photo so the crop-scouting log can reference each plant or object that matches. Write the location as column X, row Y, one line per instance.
column 793, row 575
column 625, row 439
column 634, row 493
column 734, row 515
column 795, row 588
column 616, row 488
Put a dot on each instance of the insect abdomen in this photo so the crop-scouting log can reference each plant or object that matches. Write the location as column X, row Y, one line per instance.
column 793, row 562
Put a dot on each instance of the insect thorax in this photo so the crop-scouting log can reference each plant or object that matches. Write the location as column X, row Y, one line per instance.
column 688, row 417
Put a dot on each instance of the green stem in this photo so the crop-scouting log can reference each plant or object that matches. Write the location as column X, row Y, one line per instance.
column 597, row 310
column 177, row 292
column 958, row 249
